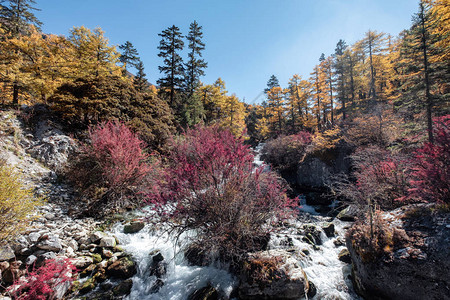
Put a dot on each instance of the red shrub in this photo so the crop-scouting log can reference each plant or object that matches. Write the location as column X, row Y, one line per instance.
column 43, row 283
column 211, row 187
column 431, row 175
column 382, row 177
column 113, row 167
column 286, row 152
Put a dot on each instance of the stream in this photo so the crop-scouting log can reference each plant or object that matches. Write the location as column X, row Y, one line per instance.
column 320, row 263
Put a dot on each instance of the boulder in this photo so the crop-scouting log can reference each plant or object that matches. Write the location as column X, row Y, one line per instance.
column 273, row 274
column 158, row 267
column 82, row 262
column 108, row 242
column 6, row 253
column 317, row 168
column 348, row 214
column 123, row 268
column 312, row 235
column 50, row 242
column 329, row 230
column 344, row 256
column 205, row 293
column 133, row 227
column 415, row 266
column 96, row 236
column 123, row 288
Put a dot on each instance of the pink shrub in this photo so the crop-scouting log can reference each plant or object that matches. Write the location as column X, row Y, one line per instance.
column 43, row 283
column 431, row 173
column 212, row 188
column 114, row 168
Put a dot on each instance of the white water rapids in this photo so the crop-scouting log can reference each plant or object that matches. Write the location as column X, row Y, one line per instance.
column 322, row 266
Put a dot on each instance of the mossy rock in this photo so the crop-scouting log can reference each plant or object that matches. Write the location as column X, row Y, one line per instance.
column 97, row 258
column 87, row 286
column 344, row 256
column 123, row 288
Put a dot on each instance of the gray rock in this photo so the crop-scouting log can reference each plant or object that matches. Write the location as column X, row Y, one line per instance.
column 133, row 227
column 329, row 229
column 30, row 260
column 33, row 237
column 108, row 242
column 51, row 242
column 82, row 262
column 289, row 283
column 6, row 253
column 96, row 236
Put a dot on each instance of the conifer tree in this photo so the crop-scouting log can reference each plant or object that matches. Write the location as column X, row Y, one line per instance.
column 273, row 82
column 129, row 56
column 195, row 65
column 140, row 82
column 172, row 69
column 340, row 68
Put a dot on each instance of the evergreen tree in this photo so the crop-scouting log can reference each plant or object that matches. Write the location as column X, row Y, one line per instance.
column 17, row 16
column 339, row 69
column 170, row 45
column 273, row 82
column 140, row 82
column 129, row 56
column 195, row 65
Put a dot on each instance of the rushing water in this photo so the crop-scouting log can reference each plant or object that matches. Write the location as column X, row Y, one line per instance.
column 321, row 265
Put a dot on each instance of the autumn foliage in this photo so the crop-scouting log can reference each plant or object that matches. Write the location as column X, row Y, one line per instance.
column 285, row 152
column 431, row 173
column 43, row 283
column 17, row 203
column 211, row 187
column 113, row 168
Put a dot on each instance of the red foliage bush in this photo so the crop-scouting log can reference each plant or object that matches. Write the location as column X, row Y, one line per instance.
column 431, row 173
column 113, row 167
column 42, row 283
column 212, row 188
column 286, row 152
column 382, row 178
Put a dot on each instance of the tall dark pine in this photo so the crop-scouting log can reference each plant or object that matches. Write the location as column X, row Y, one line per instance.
column 339, row 69
column 129, row 55
column 140, row 82
column 195, row 65
column 273, row 82
column 16, row 16
column 173, row 70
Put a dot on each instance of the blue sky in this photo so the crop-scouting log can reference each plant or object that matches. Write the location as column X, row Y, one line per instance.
column 246, row 40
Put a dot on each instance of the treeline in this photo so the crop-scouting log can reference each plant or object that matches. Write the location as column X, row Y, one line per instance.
column 407, row 75
column 87, row 80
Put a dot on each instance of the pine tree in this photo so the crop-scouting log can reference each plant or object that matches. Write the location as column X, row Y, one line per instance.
column 340, row 68
column 129, row 56
column 170, row 45
column 195, row 65
column 17, row 16
column 140, row 82
column 273, row 82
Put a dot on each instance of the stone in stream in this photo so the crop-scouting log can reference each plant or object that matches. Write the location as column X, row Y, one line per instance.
column 133, row 227
column 344, row 256
column 124, row 268
column 123, row 288
column 329, row 230
column 158, row 267
column 206, row 293
column 273, row 274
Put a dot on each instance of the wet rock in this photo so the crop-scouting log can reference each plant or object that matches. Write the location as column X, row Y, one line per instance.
column 158, row 267
column 329, row 229
column 344, row 256
column 205, row 293
column 273, row 274
column 339, row 242
column 6, row 253
column 123, row 288
column 133, row 227
column 87, row 286
column 123, row 268
column 96, row 258
column 50, row 242
column 348, row 214
column 156, row 286
column 312, row 291
column 312, row 235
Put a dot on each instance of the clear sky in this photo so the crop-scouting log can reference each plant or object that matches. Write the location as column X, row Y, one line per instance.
column 246, row 40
